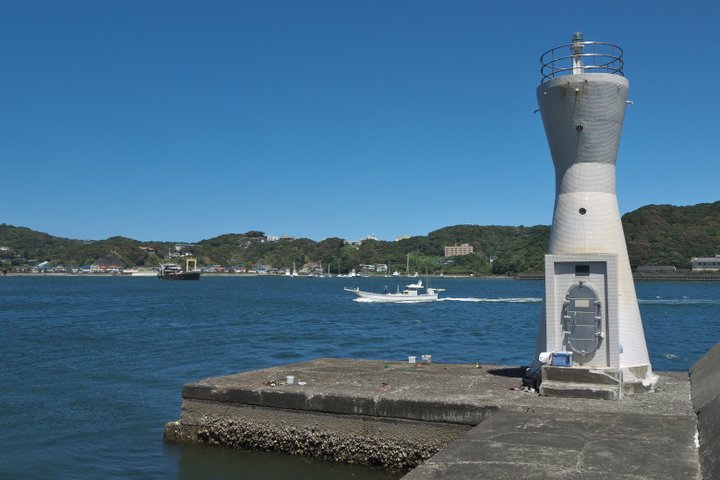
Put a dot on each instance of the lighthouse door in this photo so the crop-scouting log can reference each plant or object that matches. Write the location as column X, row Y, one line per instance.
column 582, row 319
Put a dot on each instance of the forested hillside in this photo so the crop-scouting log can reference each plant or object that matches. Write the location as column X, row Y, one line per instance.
column 668, row 235
column 655, row 234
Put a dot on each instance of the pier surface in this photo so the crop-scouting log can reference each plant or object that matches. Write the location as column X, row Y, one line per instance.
column 444, row 421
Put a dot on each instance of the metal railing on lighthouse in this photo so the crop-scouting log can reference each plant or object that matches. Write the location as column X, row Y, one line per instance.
column 584, row 57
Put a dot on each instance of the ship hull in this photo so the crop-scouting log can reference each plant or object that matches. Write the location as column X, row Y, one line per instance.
column 394, row 297
column 180, row 276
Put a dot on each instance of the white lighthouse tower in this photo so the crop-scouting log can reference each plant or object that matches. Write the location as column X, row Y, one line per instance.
column 590, row 325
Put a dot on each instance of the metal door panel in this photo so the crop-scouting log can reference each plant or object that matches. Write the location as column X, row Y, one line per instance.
column 582, row 319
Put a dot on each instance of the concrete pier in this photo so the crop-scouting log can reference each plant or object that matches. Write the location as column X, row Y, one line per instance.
column 446, row 421
column 705, row 380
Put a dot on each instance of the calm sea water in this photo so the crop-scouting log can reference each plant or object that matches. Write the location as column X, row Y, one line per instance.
column 92, row 368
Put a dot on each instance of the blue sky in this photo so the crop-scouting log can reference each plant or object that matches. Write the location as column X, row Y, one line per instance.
column 181, row 121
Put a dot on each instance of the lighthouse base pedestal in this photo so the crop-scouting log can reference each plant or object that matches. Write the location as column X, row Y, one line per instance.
column 597, row 383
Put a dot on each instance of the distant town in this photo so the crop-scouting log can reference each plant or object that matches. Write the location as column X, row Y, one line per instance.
column 661, row 239
column 111, row 264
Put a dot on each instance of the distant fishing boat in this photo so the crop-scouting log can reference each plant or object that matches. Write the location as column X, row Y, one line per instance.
column 410, row 294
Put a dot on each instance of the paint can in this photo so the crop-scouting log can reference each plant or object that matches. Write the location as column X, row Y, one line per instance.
column 290, row 379
column 412, row 359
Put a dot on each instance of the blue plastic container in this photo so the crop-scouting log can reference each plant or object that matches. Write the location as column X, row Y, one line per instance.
column 562, row 359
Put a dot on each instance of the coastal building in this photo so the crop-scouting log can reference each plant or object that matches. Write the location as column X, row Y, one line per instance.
column 455, row 250
column 661, row 268
column 706, row 263
column 404, row 237
column 357, row 243
column 284, row 238
column 381, row 267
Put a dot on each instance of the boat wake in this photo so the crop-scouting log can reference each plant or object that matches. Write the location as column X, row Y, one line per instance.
column 450, row 299
column 492, row 300
column 671, row 356
column 679, row 301
column 664, row 301
column 370, row 300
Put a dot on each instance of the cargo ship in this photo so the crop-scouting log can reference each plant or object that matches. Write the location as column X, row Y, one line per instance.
column 173, row 271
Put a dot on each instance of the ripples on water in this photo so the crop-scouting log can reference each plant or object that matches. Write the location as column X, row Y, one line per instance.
column 93, row 367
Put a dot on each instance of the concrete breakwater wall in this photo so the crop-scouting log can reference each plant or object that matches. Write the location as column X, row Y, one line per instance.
column 444, row 421
column 638, row 277
column 677, row 277
column 343, row 412
column 391, row 443
column 705, row 381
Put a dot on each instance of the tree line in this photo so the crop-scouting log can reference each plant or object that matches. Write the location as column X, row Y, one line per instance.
column 655, row 235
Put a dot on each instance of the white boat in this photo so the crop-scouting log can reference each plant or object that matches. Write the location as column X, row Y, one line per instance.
column 294, row 274
column 410, row 294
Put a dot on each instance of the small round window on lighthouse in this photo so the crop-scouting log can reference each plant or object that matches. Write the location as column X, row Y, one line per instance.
column 582, row 211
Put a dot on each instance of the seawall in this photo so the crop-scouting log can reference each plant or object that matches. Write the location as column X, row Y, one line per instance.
column 705, row 380
column 639, row 277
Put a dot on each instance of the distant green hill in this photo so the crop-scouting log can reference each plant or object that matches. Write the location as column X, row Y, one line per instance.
column 655, row 234
column 668, row 235
column 28, row 247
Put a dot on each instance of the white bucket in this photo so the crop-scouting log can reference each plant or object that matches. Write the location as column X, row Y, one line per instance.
column 412, row 359
column 289, row 379
column 427, row 359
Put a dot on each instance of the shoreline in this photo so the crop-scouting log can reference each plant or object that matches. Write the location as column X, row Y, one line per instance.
column 236, row 275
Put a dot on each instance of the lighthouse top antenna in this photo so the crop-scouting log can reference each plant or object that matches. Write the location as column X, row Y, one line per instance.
column 585, row 57
column 577, row 46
